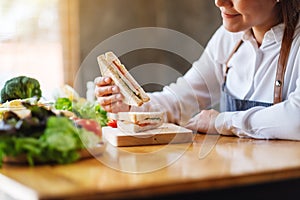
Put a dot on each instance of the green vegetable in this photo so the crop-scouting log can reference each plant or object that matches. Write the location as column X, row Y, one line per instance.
column 59, row 143
column 89, row 110
column 33, row 125
column 83, row 109
column 63, row 104
column 21, row 87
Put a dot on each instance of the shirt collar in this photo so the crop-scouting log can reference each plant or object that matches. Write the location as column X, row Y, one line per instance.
column 275, row 33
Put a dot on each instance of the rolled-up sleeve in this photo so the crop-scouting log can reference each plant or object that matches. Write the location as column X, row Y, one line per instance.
column 280, row 121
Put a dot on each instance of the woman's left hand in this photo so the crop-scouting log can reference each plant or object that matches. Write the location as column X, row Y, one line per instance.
column 204, row 122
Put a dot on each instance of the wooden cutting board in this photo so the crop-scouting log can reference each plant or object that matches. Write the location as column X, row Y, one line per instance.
column 165, row 134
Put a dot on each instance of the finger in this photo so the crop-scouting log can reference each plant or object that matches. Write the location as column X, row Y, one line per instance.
column 102, row 81
column 198, row 123
column 192, row 125
column 114, row 107
column 106, row 90
column 107, row 108
column 107, row 100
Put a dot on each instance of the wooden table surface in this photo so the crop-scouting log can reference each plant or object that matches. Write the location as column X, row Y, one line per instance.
column 210, row 162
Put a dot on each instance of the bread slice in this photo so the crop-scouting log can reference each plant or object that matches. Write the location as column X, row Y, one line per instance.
column 140, row 117
column 111, row 66
column 139, row 121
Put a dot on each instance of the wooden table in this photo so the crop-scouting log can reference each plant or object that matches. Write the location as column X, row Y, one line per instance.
column 210, row 163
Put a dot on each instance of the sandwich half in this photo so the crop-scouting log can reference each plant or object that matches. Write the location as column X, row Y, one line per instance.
column 139, row 121
column 111, row 66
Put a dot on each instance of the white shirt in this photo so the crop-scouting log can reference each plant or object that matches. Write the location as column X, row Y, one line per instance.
column 252, row 77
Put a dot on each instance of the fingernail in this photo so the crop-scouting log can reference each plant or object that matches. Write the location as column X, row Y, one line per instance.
column 106, row 80
column 114, row 89
column 119, row 96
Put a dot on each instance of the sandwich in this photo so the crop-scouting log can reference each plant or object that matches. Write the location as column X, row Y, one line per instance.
column 111, row 66
column 139, row 121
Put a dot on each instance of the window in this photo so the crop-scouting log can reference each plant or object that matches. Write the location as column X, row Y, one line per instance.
column 35, row 41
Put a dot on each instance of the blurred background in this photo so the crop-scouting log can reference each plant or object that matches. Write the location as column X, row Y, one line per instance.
column 50, row 39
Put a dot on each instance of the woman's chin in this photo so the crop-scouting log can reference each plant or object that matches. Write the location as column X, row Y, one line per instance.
column 233, row 28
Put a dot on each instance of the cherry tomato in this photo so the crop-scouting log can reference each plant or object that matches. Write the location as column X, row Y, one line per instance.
column 112, row 123
column 90, row 125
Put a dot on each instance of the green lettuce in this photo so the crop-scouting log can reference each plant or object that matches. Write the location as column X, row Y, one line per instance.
column 83, row 109
column 60, row 143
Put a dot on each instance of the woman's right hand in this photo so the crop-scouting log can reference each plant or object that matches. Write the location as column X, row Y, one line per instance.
column 108, row 95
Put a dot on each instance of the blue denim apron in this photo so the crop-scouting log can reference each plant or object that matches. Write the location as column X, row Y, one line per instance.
column 228, row 103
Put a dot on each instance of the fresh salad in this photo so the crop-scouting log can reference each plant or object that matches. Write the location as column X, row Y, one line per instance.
column 53, row 132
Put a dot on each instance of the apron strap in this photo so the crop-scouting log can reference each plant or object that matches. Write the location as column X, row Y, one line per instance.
column 282, row 61
column 278, row 85
column 237, row 46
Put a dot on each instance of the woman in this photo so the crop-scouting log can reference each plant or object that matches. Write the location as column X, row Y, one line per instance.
column 251, row 66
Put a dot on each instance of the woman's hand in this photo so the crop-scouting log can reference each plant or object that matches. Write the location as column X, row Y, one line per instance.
column 204, row 122
column 108, row 95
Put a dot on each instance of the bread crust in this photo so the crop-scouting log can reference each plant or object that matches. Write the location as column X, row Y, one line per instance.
column 141, row 117
column 119, row 74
